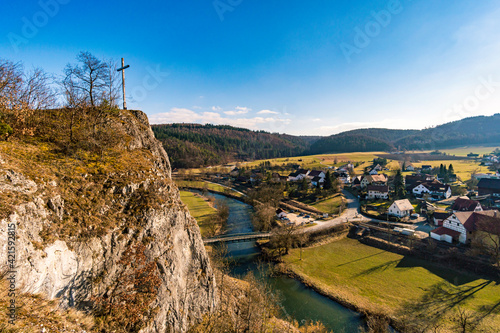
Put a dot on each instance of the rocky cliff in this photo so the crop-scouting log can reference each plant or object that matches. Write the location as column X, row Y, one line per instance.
column 104, row 230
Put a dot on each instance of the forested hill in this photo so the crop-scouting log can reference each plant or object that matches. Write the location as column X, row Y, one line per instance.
column 474, row 130
column 194, row 145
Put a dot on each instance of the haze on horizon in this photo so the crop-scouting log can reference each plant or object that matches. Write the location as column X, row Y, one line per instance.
column 287, row 66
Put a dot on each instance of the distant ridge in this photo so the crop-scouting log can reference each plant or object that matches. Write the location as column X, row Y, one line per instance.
column 195, row 145
column 473, row 130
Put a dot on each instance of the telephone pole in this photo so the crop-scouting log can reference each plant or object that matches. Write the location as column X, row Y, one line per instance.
column 122, row 69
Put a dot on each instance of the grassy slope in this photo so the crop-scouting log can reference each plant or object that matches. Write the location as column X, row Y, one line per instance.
column 329, row 205
column 401, row 286
column 34, row 311
column 204, row 185
column 199, row 208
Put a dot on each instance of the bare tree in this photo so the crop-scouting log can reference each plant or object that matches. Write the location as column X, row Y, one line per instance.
column 487, row 237
column 87, row 81
column 112, row 84
column 37, row 93
column 21, row 94
column 264, row 217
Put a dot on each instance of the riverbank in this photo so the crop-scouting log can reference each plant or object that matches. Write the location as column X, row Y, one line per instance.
column 408, row 292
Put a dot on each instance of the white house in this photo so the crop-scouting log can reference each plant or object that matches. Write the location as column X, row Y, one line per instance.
column 318, row 180
column 401, row 208
column 438, row 190
column 461, row 226
column 302, row 173
column 298, row 175
column 410, row 167
column 373, row 172
column 343, row 177
column 378, row 192
column 315, row 173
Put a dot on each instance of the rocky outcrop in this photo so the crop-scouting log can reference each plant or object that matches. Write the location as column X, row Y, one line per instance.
column 78, row 271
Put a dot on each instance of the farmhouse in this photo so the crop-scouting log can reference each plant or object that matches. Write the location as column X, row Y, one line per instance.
column 466, row 205
column 426, row 167
column 343, row 177
column 401, row 208
column 462, row 226
column 417, row 179
column 298, row 175
column 356, row 182
column 436, row 189
column 293, row 177
column 410, row 167
column 378, row 191
column 489, row 187
column 318, row 180
column 374, row 180
column 316, row 173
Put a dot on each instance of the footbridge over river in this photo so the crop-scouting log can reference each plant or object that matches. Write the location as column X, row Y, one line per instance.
column 235, row 238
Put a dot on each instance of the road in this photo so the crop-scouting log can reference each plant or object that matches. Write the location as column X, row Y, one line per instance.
column 351, row 213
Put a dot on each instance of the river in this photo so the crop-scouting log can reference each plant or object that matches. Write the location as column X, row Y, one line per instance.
column 297, row 301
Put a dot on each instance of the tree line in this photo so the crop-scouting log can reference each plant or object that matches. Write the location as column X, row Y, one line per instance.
column 194, row 145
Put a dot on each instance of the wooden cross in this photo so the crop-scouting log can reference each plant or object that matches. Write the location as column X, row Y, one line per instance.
column 122, row 69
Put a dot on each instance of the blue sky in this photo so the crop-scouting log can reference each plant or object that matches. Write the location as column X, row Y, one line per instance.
column 311, row 68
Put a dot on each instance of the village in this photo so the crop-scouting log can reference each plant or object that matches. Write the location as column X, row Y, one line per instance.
column 424, row 201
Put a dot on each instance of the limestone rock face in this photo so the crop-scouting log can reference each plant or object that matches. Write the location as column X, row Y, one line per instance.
column 78, row 271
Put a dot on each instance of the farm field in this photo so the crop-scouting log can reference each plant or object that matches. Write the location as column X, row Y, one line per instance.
column 319, row 161
column 463, row 168
column 463, row 151
column 199, row 208
column 410, row 289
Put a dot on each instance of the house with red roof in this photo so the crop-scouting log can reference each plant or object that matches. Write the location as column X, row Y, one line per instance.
column 462, row 226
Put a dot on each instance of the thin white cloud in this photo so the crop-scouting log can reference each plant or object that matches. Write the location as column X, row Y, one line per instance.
column 267, row 112
column 234, row 113
column 216, row 108
column 243, row 109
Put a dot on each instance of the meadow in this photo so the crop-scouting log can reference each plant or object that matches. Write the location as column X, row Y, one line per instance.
column 409, row 289
column 199, row 208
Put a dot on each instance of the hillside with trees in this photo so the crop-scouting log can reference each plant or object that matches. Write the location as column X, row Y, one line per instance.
column 473, row 130
column 194, row 145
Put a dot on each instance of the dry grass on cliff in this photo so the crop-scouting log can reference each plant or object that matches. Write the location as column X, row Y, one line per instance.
column 34, row 313
column 89, row 172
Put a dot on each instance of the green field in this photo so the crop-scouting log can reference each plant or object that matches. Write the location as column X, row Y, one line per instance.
column 463, row 151
column 329, row 205
column 463, row 168
column 199, row 208
column 407, row 288
column 319, row 161
column 201, row 185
